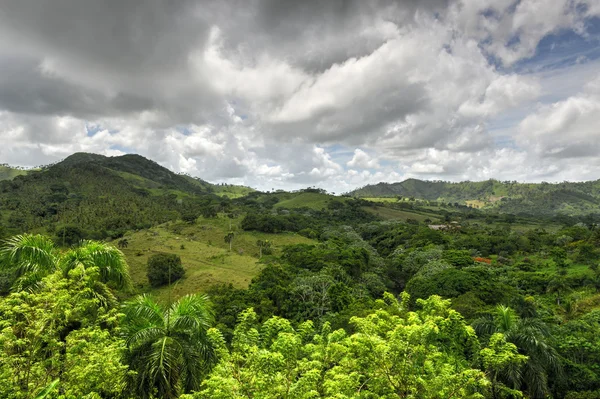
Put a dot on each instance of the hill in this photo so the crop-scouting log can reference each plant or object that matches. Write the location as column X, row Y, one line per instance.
column 205, row 255
column 103, row 195
column 506, row 197
column 8, row 173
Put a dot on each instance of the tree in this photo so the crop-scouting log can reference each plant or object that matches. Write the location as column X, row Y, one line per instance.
column 33, row 257
column 502, row 361
column 171, row 349
column 164, row 269
column 123, row 243
column 559, row 256
column 531, row 338
column 558, row 285
column 60, row 331
column 394, row 353
column 264, row 246
column 229, row 239
column 190, row 215
column 69, row 235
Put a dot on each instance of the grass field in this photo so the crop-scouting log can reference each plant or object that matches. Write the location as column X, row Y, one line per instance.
column 381, row 199
column 204, row 254
column 308, row 200
column 232, row 191
column 475, row 204
column 7, row 173
column 397, row 214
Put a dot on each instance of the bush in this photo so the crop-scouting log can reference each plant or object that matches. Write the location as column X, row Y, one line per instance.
column 69, row 235
column 159, row 266
column 583, row 395
column 6, row 281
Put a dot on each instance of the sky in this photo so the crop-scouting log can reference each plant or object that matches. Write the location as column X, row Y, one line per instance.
column 289, row 94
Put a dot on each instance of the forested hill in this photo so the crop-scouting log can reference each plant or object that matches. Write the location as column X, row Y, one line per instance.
column 145, row 172
column 107, row 195
column 508, row 197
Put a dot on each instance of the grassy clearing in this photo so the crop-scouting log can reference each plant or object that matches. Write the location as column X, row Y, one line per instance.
column 381, row 199
column 205, row 255
column 308, row 200
column 397, row 214
column 545, row 264
column 475, row 203
column 7, row 173
column 574, row 269
column 232, row 191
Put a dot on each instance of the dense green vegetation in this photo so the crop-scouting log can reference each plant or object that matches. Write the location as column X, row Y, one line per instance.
column 285, row 295
column 164, row 269
column 507, row 197
column 92, row 196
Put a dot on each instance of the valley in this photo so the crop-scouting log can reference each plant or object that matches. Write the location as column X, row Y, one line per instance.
column 79, row 236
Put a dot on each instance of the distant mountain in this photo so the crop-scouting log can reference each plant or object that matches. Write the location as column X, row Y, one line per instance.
column 145, row 172
column 506, row 197
column 103, row 195
column 7, row 172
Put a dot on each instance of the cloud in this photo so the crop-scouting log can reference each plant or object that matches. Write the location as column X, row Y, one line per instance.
column 290, row 94
column 511, row 31
column 362, row 160
column 565, row 129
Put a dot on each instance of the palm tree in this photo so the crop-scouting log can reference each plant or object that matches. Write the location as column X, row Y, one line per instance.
column 34, row 256
column 31, row 257
column 530, row 337
column 229, row 239
column 168, row 348
column 559, row 286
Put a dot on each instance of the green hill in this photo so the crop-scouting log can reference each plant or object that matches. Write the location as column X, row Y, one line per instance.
column 205, row 255
column 103, row 195
column 8, row 173
column 506, row 197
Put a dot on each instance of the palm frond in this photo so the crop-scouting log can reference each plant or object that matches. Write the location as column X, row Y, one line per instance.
column 30, row 253
column 506, row 318
column 144, row 310
column 144, row 335
column 169, row 357
column 192, row 311
column 164, row 365
column 47, row 390
column 70, row 260
column 29, row 282
column 485, row 326
column 104, row 295
column 109, row 260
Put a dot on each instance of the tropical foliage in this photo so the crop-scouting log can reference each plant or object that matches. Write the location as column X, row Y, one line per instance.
column 171, row 349
column 417, row 295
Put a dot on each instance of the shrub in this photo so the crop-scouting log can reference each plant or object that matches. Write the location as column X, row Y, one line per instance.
column 583, row 395
column 161, row 265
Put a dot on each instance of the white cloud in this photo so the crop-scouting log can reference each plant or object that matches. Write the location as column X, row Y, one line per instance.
column 565, row 129
column 301, row 95
column 362, row 160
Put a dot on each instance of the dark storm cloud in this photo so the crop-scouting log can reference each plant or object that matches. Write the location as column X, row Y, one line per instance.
column 253, row 89
column 104, row 57
column 356, row 122
column 118, row 56
column 137, row 36
column 316, row 34
column 25, row 88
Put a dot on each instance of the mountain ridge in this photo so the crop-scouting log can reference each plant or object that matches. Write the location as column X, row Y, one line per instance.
column 108, row 195
column 504, row 196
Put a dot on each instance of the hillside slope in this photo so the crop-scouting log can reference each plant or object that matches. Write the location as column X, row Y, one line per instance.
column 8, row 173
column 507, row 197
column 104, row 195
